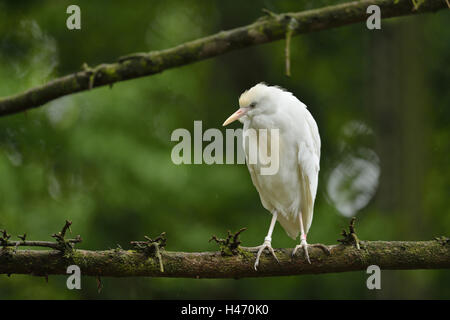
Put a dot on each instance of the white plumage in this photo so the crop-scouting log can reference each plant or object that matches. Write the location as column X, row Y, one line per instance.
column 288, row 194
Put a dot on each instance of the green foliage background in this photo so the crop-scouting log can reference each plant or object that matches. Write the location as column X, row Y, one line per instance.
column 102, row 158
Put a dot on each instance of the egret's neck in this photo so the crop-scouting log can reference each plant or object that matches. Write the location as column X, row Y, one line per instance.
column 262, row 122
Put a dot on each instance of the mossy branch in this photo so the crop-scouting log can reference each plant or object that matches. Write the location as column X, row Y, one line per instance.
column 232, row 261
column 388, row 255
column 152, row 247
column 264, row 30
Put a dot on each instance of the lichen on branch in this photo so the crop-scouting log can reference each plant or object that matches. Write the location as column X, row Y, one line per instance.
column 149, row 258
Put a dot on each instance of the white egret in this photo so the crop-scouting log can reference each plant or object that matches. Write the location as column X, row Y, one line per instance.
column 288, row 194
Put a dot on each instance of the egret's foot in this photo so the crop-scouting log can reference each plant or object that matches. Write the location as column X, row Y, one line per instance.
column 321, row 246
column 305, row 246
column 267, row 244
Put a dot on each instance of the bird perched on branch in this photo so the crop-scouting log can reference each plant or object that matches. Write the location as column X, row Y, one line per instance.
column 289, row 193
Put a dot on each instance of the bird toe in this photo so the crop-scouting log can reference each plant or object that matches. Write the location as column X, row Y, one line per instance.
column 261, row 248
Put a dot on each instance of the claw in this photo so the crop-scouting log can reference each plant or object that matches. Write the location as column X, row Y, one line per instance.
column 268, row 245
column 305, row 245
column 321, row 246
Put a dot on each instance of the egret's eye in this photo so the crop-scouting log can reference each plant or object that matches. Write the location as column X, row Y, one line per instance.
column 253, row 104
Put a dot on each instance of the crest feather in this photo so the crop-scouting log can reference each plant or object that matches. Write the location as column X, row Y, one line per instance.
column 257, row 91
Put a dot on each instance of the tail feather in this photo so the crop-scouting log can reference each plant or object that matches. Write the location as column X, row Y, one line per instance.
column 290, row 225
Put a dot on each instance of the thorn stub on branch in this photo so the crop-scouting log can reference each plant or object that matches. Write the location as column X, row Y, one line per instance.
column 230, row 245
column 417, row 4
column 350, row 237
column 270, row 14
column 92, row 73
column 4, row 238
column 152, row 247
column 443, row 240
column 63, row 244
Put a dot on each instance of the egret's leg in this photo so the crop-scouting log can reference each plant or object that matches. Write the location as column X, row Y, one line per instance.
column 303, row 244
column 267, row 242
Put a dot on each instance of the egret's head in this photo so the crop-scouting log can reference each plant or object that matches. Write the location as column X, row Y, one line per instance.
column 260, row 99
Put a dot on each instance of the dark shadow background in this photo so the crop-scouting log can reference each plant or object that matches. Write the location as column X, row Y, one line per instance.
column 102, row 158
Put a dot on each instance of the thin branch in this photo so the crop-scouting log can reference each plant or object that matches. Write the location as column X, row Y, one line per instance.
column 43, row 244
column 264, row 30
column 61, row 243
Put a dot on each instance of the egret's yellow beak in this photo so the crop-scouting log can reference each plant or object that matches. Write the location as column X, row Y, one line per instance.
column 241, row 112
